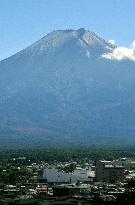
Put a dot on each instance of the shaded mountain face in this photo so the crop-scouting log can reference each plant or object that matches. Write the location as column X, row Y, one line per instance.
column 60, row 90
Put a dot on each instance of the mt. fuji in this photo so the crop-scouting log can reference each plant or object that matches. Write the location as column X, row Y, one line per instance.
column 61, row 90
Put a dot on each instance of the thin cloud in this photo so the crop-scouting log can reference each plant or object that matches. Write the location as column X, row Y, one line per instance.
column 121, row 53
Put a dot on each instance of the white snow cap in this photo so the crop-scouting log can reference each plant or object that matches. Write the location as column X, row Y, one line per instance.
column 112, row 42
column 121, row 53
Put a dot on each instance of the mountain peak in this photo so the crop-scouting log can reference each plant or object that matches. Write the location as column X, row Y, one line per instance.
column 81, row 31
column 87, row 41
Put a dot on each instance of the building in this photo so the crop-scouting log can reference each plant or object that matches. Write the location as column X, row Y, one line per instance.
column 57, row 176
column 65, row 190
column 108, row 171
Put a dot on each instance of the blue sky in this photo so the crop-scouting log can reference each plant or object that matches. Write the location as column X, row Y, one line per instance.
column 24, row 21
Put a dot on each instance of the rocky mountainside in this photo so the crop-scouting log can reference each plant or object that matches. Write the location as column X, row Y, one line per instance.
column 61, row 90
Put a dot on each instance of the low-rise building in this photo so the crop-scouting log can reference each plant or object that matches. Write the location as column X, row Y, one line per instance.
column 57, row 176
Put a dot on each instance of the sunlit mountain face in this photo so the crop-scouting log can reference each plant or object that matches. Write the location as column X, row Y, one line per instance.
column 61, row 90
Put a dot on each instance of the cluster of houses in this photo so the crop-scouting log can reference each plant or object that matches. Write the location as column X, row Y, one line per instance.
column 103, row 181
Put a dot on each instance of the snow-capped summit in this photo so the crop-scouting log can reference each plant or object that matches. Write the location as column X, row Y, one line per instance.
column 86, row 40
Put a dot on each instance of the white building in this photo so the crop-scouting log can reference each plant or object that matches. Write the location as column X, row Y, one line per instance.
column 54, row 175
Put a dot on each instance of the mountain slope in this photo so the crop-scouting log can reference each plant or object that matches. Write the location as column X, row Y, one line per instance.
column 60, row 89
